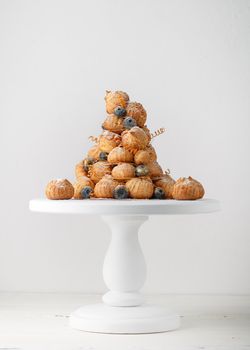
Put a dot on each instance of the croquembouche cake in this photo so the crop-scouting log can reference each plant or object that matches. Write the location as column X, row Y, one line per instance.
column 122, row 163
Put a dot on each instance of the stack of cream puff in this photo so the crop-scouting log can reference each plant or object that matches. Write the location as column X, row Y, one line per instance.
column 122, row 163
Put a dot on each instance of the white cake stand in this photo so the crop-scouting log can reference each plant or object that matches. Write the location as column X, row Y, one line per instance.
column 124, row 271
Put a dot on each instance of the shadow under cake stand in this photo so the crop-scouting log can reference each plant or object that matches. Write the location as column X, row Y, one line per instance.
column 123, row 309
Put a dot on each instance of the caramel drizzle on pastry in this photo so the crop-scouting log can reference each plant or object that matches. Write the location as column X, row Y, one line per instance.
column 157, row 132
column 93, row 139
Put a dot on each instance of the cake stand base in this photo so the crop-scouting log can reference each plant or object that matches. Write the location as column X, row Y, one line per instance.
column 103, row 318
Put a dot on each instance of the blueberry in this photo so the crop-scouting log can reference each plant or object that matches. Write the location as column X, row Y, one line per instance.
column 129, row 123
column 120, row 112
column 87, row 162
column 120, row 192
column 141, row 170
column 103, row 156
column 159, row 193
column 86, row 191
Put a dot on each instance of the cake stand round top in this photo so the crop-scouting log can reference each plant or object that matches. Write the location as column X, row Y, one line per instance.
column 125, row 207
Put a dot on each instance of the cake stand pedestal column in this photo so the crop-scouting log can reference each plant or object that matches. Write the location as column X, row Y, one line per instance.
column 124, row 272
column 124, row 269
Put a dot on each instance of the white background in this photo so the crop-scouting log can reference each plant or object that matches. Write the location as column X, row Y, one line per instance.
column 188, row 63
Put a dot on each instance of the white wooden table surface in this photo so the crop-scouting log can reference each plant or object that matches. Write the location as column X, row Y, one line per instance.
column 40, row 321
